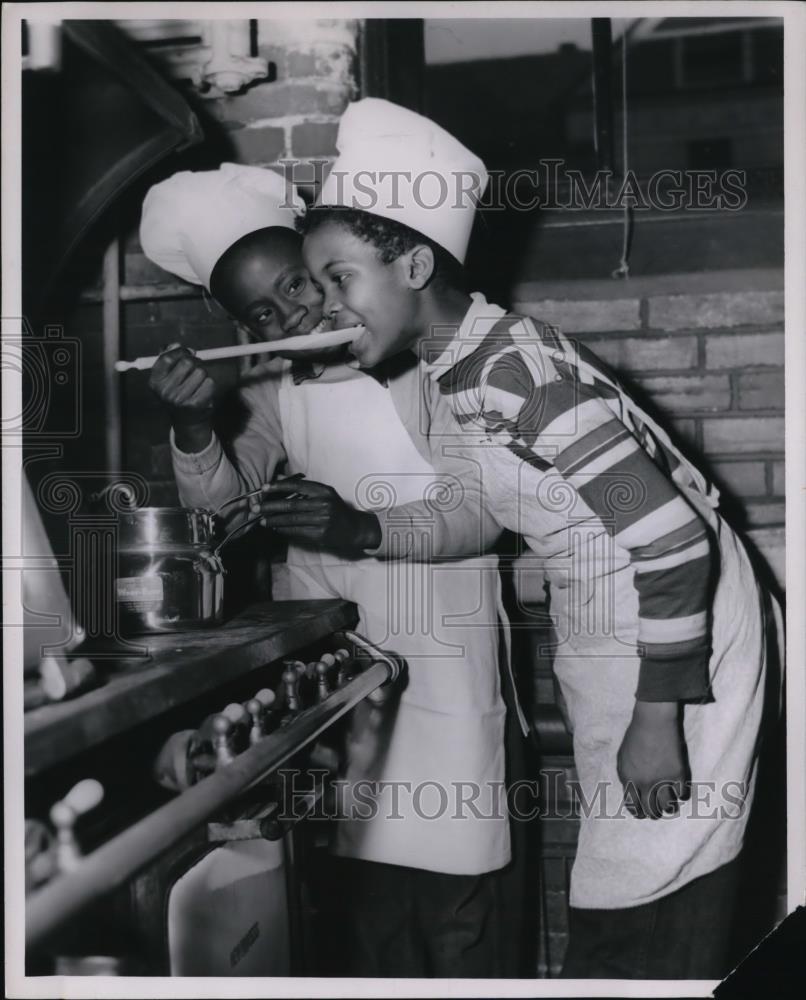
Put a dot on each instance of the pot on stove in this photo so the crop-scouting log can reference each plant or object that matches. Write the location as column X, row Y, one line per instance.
column 170, row 577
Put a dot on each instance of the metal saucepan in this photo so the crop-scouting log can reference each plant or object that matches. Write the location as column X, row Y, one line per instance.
column 170, row 575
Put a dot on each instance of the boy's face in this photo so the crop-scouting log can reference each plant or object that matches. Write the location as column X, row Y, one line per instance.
column 266, row 287
column 360, row 289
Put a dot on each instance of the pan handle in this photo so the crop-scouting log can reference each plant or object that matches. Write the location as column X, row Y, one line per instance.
column 254, row 493
column 242, row 496
column 244, row 524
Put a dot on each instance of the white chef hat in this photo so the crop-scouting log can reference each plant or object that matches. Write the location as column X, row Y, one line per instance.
column 397, row 164
column 192, row 218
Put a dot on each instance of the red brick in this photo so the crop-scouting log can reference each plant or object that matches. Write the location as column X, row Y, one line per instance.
column 543, row 689
column 559, row 831
column 259, row 145
column 139, row 270
column 196, row 310
column 741, row 350
column 779, row 478
column 556, row 910
column 744, row 479
column 314, row 139
column 554, row 875
column 325, row 62
column 161, row 464
column 142, row 340
column 683, row 431
column 764, row 514
column 683, row 393
column 680, row 312
column 282, row 59
column 761, row 391
column 308, row 33
column 635, row 354
column 771, row 543
column 743, row 435
column 332, row 62
column 583, row 315
column 280, row 99
column 163, row 493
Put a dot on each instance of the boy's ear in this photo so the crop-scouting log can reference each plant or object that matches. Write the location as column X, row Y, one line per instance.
column 419, row 266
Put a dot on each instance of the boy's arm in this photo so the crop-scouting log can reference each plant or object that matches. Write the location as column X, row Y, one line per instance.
column 669, row 544
column 208, row 478
column 453, row 521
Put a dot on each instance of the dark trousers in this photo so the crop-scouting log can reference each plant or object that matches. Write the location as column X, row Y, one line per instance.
column 398, row 922
column 685, row 935
column 410, row 923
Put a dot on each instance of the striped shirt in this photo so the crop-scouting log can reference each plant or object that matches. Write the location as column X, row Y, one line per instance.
column 561, row 415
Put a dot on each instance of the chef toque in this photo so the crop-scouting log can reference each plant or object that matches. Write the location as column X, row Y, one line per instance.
column 402, row 166
column 192, row 218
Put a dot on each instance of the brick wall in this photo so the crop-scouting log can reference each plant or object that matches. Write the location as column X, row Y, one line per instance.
column 294, row 114
column 704, row 353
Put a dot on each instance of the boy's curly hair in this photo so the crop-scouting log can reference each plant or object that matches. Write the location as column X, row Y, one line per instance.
column 391, row 239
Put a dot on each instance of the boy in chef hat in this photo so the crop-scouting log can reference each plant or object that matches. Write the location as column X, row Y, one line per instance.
column 232, row 231
column 660, row 620
column 422, row 886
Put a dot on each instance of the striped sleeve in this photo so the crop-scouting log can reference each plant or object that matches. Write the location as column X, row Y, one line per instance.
column 547, row 410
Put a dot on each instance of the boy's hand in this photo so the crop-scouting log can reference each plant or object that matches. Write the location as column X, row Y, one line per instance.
column 182, row 383
column 315, row 514
column 652, row 760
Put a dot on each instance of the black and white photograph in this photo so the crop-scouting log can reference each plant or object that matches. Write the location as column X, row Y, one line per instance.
column 404, row 495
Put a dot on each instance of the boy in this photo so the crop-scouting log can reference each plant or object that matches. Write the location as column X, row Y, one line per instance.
column 421, row 891
column 660, row 652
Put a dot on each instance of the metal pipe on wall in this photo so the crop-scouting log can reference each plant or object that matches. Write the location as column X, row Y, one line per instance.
column 603, row 91
column 111, row 353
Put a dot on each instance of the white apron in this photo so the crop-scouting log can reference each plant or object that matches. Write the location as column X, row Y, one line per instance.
column 622, row 861
column 442, row 742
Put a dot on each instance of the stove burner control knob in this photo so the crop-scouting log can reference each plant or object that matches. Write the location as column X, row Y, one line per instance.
column 222, row 739
column 341, row 656
column 255, row 710
column 266, row 697
column 323, row 687
column 235, row 713
column 80, row 799
column 301, row 669
column 291, row 682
